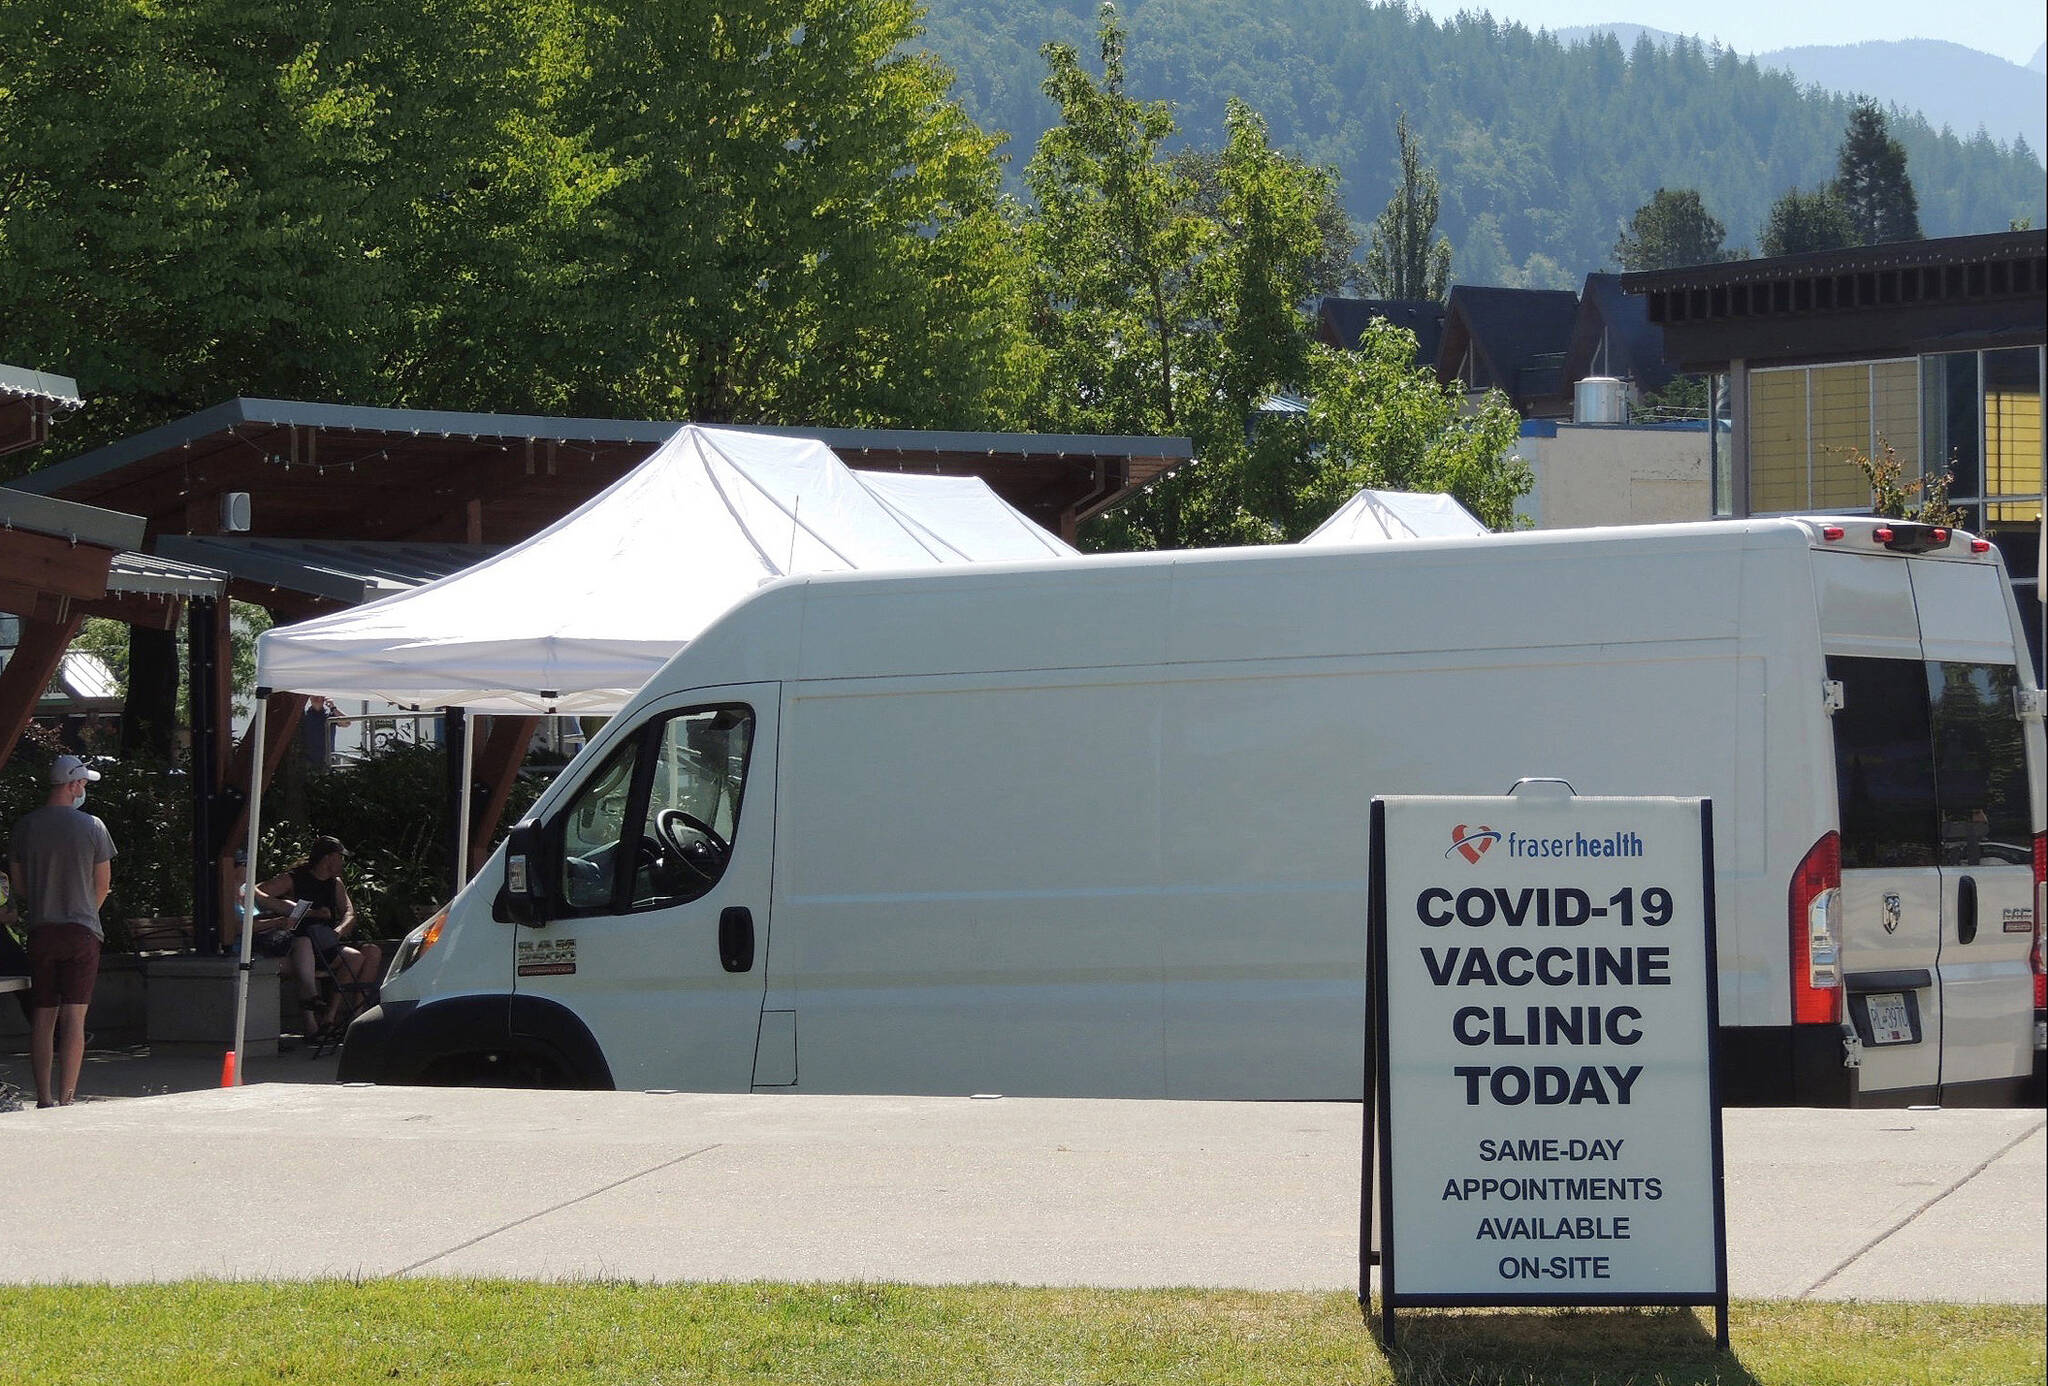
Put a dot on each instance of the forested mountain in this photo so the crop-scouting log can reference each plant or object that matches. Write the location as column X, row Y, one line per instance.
column 1947, row 83
column 1544, row 148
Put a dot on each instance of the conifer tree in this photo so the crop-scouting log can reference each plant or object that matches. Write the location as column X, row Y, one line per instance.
column 1405, row 257
column 1804, row 221
column 1673, row 228
column 1871, row 181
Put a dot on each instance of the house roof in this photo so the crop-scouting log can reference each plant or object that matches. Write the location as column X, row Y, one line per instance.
column 1612, row 335
column 324, row 471
column 1342, row 321
column 1517, row 339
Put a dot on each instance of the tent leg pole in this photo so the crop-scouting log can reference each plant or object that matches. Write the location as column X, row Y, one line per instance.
column 248, row 929
column 463, row 806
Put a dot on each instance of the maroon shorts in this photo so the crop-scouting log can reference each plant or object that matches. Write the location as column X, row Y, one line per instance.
column 63, row 960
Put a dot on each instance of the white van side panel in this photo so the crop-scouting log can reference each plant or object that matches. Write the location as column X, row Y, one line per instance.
column 1096, row 884
column 968, row 896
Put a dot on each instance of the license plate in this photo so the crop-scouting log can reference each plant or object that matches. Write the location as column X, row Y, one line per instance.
column 1889, row 1023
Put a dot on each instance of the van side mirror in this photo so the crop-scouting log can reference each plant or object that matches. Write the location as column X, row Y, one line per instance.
column 526, row 897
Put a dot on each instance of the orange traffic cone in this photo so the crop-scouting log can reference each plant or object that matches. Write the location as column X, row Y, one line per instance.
column 227, row 1069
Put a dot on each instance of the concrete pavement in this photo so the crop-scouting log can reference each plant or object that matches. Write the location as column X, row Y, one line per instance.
column 291, row 1180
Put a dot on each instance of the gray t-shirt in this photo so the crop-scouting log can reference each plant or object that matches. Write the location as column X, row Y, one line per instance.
column 53, row 853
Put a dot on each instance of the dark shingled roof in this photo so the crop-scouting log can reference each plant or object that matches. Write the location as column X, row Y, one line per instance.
column 1613, row 335
column 1518, row 339
column 1341, row 322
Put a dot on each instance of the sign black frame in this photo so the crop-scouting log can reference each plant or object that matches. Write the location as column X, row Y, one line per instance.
column 1378, row 1121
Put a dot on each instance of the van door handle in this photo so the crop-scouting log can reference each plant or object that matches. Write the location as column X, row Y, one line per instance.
column 736, row 939
column 1966, row 910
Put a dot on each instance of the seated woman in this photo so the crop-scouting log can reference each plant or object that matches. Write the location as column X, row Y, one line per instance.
column 322, row 918
column 275, row 935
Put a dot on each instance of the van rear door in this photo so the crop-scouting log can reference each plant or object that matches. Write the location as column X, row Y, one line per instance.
column 1891, row 915
column 1935, row 813
column 1985, row 822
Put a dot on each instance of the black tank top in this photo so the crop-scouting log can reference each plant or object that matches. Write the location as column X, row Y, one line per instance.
column 321, row 895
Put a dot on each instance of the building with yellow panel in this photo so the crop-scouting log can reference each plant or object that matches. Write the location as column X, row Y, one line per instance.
column 1931, row 352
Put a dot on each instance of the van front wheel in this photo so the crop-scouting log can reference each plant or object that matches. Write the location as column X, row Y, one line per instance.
column 496, row 1069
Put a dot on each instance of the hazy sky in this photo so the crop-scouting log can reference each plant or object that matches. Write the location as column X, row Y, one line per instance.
column 2006, row 27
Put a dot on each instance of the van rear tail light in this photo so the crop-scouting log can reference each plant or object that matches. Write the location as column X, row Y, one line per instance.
column 1812, row 915
column 2040, row 923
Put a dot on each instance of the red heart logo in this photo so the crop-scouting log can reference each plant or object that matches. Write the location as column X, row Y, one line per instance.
column 1472, row 843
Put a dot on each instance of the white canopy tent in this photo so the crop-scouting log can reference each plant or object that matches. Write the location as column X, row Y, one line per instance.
column 576, row 618
column 1377, row 517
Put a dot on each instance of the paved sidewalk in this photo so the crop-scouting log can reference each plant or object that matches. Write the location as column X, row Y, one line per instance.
column 142, row 1071
column 1949, row 1205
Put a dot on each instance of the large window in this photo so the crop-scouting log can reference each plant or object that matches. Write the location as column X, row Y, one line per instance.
column 1983, row 422
column 1805, row 421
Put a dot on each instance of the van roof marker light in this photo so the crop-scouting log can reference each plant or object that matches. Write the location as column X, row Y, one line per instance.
column 1832, row 533
column 1882, row 534
column 1980, row 546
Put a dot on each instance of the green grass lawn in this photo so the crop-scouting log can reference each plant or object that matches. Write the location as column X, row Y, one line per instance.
column 462, row 1331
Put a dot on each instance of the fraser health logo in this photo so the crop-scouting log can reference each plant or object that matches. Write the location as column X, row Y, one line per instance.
column 1472, row 843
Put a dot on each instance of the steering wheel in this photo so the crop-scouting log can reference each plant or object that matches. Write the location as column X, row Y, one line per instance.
column 668, row 830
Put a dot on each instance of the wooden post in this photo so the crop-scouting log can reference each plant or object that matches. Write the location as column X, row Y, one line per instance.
column 280, row 729
column 499, row 755
column 29, row 671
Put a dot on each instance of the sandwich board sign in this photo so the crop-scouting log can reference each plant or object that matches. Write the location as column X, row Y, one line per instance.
column 1542, row 1117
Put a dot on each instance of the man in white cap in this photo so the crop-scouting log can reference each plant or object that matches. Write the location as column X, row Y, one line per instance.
column 60, row 864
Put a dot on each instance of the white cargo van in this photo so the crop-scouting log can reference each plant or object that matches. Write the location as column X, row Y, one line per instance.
column 1099, row 827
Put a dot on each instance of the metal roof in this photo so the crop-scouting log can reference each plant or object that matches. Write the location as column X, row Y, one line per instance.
column 148, row 575
column 539, row 428
column 347, row 572
column 83, row 524
column 355, row 472
column 59, row 389
column 28, row 399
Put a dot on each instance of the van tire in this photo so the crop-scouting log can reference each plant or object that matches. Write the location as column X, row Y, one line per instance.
column 492, row 1070
column 490, row 1041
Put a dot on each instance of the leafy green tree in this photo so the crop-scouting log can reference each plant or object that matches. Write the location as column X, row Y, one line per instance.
column 1375, row 420
column 1113, row 232
column 1406, row 257
column 1871, row 181
column 774, row 212
column 1169, row 292
column 1673, row 228
column 798, row 224
column 1334, row 268
column 1171, row 295
column 1804, row 221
